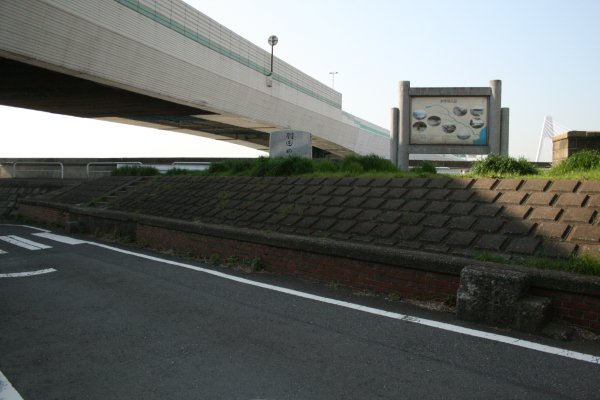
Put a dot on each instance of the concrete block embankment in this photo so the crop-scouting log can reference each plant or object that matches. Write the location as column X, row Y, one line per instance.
column 408, row 236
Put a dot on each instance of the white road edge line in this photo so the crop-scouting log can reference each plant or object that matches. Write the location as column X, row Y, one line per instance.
column 24, row 243
column 7, row 391
column 3, row 252
column 433, row 324
column 27, row 226
column 26, row 274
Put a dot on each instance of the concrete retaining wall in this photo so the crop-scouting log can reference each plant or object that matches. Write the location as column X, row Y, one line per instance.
column 571, row 142
column 239, row 220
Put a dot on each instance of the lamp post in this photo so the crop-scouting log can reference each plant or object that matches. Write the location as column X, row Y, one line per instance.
column 272, row 42
column 333, row 74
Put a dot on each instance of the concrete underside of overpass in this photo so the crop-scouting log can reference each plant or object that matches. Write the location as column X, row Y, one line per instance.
column 28, row 86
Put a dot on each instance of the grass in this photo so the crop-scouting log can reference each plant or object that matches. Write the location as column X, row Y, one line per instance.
column 496, row 166
column 352, row 165
column 584, row 264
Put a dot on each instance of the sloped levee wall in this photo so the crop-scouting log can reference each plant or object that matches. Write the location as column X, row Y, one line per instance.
column 11, row 190
column 409, row 236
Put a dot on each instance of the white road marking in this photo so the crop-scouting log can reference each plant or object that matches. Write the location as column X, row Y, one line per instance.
column 3, row 252
column 59, row 238
column 7, row 391
column 388, row 314
column 25, row 243
column 26, row 274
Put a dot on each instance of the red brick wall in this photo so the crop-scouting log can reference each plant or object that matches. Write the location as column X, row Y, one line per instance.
column 353, row 273
column 574, row 309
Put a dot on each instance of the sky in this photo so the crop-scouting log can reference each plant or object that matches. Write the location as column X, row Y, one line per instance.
column 547, row 54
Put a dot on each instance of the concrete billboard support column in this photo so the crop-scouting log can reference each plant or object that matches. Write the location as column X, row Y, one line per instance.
column 404, row 126
column 504, row 130
column 394, row 129
column 495, row 117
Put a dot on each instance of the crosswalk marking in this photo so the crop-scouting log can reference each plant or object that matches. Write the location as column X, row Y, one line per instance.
column 59, row 238
column 25, row 243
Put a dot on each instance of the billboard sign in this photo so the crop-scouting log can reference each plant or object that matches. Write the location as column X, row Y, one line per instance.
column 458, row 120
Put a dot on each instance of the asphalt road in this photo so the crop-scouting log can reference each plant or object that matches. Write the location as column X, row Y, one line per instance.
column 111, row 325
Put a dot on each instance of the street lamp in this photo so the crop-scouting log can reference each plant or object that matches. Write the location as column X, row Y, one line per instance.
column 333, row 74
column 272, row 42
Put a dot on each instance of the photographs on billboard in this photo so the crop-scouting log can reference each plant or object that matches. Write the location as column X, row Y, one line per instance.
column 449, row 120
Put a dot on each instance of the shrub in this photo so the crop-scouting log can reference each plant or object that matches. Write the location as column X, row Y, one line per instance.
column 585, row 160
column 287, row 166
column 325, row 166
column 426, row 167
column 134, row 171
column 368, row 163
column 232, row 167
column 497, row 166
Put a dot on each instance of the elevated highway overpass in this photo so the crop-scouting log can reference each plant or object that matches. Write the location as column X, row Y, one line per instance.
column 164, row 64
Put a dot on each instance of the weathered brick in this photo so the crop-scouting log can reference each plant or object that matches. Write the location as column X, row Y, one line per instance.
column 336, row 201
column 435, row 220
column 461, row 208
column 594, row 201
column 511, row 198
column 545, row 214
column 398, row 182
column 489, row 225
column 362, row 182
column 389, row 216
column 557, row 249
column 589, row 187
column 416, row 194
column 588, row 233
column 571, row 200
column 377, row 192
column 349, row 213
column 518, row 227
column 307, row 222
column 355, row 201
column 518, row 212
column 461, row 238
column 331, row 211
column 438, row 183
column 490, row 242
column 380, row 182
column 591, row 249
column 368, row 215
column 417, row 183
column 373, row 203
column 437, row 207
column 363, row 228
column 551, row 230
column 460, row 195
column 485, row 196
column 535, row 185
column 583, row 215
column 358, row 192
column 395, row 193
column 341, row 191
column 506, row 185
column 410, row 218
column 414, row 205
column 392, row 205
column 487, row 210
column 525, row 245
column 460, row 183
column 563, row 186
column 463, row 223
column 384, row 230
column 484, row 184
column 343, row 226
column 408, row 233
column 434, row 235
column 438, row 194
column 540, row 199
